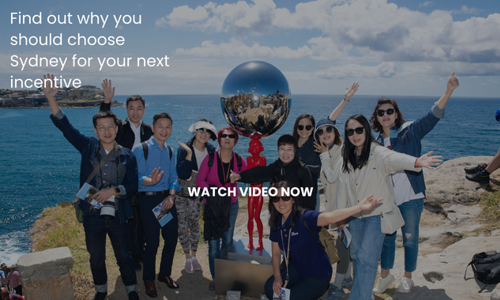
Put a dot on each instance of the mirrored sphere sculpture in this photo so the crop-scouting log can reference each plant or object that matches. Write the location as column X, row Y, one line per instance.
column 255, row 99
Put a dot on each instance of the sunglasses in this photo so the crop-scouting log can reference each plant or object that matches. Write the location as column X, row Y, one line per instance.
column 359, row 130
column 328, row 129
column 231, row 136
column 301, row 127
column 382, row 112
column 203, row 130
column 277, row 199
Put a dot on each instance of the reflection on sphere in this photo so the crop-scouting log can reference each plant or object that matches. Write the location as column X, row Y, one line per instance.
column 255, row 99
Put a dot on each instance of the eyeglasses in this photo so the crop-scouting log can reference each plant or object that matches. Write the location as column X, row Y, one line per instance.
column 106, row 128
column 382, row 112
column 231, row 136
column 301, row 127
column 286, row 150
column 203, row 130
column 359, row 130
column 277, row 199
column 328, row 129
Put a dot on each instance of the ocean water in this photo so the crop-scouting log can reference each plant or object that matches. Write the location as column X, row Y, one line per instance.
column 39, row 168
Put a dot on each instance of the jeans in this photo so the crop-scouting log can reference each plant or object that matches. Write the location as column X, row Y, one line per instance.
column 411, row 212
column 366, row 246
column 214, row 246
column 152, row 228
column 302, row 287
column 96, row 229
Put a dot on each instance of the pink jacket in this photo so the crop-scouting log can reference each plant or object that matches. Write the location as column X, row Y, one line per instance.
column 208, row 177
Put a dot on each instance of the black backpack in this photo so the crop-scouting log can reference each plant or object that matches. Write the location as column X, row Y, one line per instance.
column 211, row 157
column 486, row 267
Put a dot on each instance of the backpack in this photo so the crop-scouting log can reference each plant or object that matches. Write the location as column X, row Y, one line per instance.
column 486, row 267
column 211, row 161
column 145, row 149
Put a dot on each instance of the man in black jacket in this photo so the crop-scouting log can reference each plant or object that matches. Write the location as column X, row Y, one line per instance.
column 288, row 168
column 131, row 131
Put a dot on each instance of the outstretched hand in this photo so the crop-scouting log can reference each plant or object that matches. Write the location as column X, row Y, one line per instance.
column 156, row 176
column 452, row 82
column 49, row 87
column 428, row 161
column 320, row 147
column 349, row 92
column 108, row 89
column 234, row 176
column 368, row 203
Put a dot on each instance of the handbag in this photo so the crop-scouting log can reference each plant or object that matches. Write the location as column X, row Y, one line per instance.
column 188, row 184
column 391, row 221
column 325, row 240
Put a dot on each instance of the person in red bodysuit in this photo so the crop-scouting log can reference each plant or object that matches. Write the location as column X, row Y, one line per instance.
column 255, row 202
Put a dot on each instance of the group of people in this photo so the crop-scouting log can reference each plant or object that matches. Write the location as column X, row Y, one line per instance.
column 10, row 283
column 365, row 180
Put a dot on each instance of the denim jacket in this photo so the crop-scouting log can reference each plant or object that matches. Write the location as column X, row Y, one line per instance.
column 407, row 139
column 87, row 146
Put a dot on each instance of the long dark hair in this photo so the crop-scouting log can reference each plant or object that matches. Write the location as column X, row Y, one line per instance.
column 381, row 101
column 348, row 151
column 295, row 134
column 274, row 214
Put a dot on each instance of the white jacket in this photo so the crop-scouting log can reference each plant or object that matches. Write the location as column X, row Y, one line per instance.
column 329, row 174
column 372, row 179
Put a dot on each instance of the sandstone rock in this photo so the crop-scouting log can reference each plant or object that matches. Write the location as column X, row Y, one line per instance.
column 451, row 263
column 495, row 295
column 447, row 184
column 46, row 274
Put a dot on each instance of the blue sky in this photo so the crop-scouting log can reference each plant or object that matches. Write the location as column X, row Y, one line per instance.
column 390, row 47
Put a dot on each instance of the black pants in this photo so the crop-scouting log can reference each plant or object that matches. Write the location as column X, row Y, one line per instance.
column 152, row 228
column 137, row 236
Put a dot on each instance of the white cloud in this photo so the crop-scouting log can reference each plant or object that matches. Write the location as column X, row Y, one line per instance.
column 466, row 10
column 355, row 71
column 425, row 4
column 374, row 35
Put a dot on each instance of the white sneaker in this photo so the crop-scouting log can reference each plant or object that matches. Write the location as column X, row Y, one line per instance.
column 405, row 286
column 383, row 284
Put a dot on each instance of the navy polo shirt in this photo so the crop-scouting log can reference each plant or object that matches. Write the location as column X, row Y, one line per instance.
column 308, row 256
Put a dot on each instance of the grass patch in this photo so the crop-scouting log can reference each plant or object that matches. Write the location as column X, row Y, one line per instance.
column 490, row 205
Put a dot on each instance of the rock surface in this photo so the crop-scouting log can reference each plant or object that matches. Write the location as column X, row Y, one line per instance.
column 447, row 184
column 451, row 263
column 46, row 274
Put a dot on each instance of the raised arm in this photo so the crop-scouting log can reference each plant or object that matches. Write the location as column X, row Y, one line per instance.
column 450, row 87
column 108, row 89
column 50, row 91
column 348, row 94
column 344, row 213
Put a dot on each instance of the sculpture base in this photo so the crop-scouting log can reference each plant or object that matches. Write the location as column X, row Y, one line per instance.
column 241, row 269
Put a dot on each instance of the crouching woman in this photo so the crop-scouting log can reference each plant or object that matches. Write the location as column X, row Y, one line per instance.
column 307, row 272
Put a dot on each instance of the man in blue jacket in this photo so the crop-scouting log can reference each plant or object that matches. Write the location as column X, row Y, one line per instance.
column 116, row 179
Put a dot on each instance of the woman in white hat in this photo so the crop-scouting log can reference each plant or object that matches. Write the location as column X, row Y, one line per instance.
column 189, row 158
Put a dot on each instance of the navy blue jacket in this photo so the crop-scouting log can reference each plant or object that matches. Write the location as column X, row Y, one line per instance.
column 407, row 139
column 87, row 146
column 186, row 167
column 310, row 157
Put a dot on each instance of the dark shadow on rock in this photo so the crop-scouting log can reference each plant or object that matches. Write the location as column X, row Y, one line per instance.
column 423, row 292
column 119, row 292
